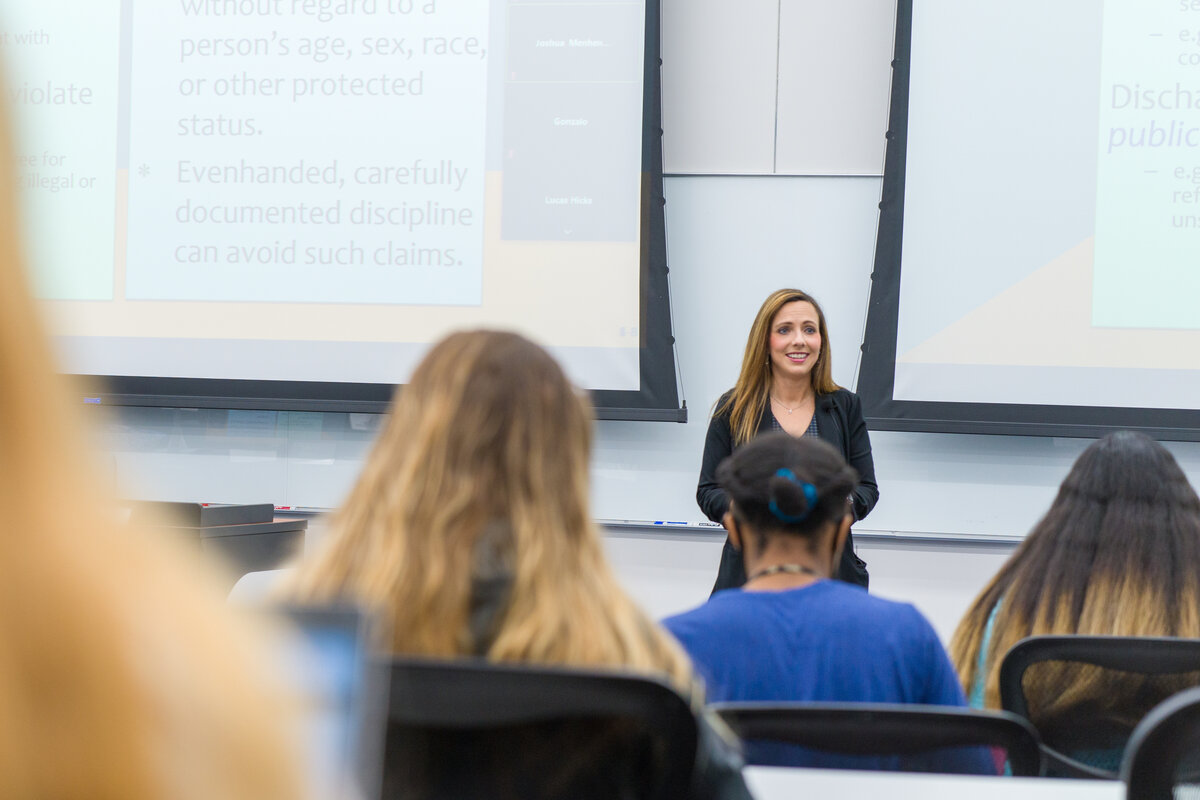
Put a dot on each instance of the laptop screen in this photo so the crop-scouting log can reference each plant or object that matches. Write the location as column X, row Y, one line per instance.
column 346, row 700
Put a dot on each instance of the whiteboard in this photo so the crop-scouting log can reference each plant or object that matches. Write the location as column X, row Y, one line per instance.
column 786, row 87
column 732, row 239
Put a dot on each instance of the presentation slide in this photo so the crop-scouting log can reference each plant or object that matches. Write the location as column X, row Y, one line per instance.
column 1051, row 246
column 315, row 190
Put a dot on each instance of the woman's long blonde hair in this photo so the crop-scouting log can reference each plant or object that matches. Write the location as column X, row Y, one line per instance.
column 122, row 674
column 753, row 388
column 478, row 488
column 1118, row 553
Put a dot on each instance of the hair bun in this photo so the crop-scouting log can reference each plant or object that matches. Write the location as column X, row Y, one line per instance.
column 791, row 499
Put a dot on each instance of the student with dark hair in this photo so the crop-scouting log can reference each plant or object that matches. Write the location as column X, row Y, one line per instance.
column 792, row 634
column 1118, row 553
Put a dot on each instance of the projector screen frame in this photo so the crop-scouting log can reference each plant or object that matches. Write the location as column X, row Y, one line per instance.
column 657, row 400
column 878, row 365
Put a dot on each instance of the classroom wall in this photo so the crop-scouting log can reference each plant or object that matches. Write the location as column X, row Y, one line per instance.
column 774, row 117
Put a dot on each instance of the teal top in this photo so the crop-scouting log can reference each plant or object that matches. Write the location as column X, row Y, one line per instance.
column 1103, row 758
column 975, row 696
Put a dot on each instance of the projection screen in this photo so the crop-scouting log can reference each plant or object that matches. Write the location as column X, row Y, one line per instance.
column 282, row 203
column 1038, row 256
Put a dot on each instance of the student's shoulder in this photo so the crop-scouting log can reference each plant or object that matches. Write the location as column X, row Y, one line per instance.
column 879, row 611
column 903, row 624
column 727, row 609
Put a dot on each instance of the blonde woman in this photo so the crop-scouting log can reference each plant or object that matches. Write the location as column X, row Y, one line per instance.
column 786, row 384
column 122, row 674
column 1118, row 553
column 470, row 527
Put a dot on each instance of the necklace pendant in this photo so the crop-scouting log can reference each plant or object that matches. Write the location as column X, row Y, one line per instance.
column 787, row 569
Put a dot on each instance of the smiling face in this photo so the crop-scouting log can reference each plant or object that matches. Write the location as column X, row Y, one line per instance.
column 795, row 341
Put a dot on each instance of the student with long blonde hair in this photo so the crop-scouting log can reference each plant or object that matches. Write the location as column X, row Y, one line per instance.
column 1117, row 553
column 122, row 673
column 470, row 527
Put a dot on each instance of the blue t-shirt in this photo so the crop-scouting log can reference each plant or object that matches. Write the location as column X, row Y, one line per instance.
column 825, row 642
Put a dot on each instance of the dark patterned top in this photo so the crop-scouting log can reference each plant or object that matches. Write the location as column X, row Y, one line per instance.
column 812, row 426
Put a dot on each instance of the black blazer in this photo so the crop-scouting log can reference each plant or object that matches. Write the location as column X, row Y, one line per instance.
column 839, row 423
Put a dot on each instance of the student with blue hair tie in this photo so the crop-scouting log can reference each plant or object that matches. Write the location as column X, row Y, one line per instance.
column 791, row 634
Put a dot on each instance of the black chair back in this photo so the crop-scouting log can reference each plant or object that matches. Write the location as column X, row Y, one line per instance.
column 1138, row 654
column 877, row 729
column 1162, row 751
column 472, row 728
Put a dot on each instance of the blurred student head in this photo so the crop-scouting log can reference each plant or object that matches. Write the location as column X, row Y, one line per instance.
column 1118, row 553
column 785, row 492
column 121, row 673
column 470, row 526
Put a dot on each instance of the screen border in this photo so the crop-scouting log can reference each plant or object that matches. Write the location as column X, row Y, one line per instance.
column 876, row 381
column 658, row 398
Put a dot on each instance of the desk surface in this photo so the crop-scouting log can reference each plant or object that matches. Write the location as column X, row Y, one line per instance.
column 777, row 783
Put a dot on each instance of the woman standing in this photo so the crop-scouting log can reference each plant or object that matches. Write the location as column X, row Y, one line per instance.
column 786, row 384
